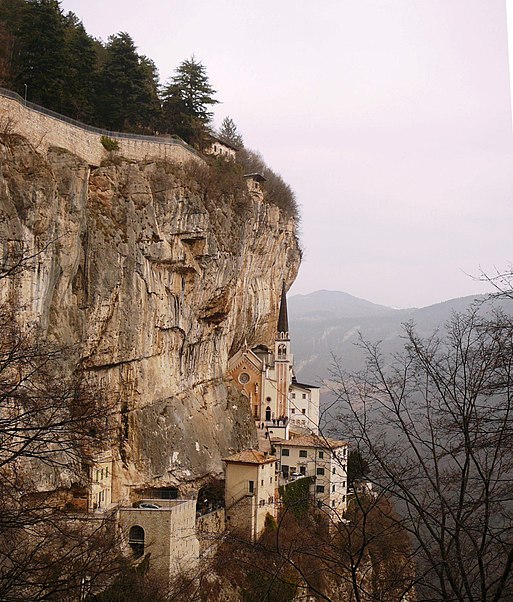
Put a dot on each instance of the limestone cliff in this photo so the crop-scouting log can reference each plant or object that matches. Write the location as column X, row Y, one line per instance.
column 152, row 275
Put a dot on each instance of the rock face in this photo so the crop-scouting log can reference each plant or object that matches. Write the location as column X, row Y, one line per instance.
column 152, row 280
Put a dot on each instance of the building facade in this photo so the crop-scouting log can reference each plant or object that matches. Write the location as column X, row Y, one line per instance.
column 266, row 377
column 322, row 459
column 250, row 492
column 166, row 529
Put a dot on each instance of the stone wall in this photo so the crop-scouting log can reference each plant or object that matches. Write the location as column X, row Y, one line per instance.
column 44, row 131
column 209, row 529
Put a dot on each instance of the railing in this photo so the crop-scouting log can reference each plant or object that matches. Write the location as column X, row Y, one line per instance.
column 90, row 128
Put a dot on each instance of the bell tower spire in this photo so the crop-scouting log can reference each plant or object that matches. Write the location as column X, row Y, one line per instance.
column 283, row 319
column 283, row 358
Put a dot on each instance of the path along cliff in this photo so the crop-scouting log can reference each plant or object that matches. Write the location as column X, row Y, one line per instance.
column 150, row 274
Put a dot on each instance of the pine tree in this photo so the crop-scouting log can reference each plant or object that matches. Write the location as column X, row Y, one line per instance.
column 78, row 94
column 42, row 60
column 186, row 102
column 229, row 132
column 127, row 93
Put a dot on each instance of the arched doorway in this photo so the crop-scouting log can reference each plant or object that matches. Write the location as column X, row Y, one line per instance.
column 136, row 540
column 268, row 413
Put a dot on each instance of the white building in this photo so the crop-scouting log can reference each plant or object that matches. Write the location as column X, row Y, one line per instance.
column 250, row 492
column 223, row 148
column 322, row 459
column 100, row 491
column 304, row 408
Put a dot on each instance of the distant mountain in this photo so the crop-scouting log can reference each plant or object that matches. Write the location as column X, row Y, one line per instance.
column 330, row 322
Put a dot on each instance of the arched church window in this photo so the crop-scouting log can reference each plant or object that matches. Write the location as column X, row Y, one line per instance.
column 136, row 540
column 268, row 413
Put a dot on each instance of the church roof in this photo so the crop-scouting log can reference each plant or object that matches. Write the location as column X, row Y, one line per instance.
column 251, row 456
column 310, row 441
column 299, row 385
column 283, row 319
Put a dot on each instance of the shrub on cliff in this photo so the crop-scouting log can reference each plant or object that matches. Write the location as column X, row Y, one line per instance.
column 277, row 191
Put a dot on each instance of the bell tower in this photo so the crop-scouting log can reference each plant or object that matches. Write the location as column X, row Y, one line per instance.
column 283, row 358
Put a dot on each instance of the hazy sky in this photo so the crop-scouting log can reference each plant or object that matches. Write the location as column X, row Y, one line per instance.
column 391, row 120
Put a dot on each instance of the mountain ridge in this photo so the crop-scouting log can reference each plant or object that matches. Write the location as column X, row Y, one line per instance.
column 326, row 322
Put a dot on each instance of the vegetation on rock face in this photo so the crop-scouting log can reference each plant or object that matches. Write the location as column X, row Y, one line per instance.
column 277, row 191
column 109, row 144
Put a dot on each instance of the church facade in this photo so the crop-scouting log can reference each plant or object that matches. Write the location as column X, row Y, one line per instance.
column 266, row 377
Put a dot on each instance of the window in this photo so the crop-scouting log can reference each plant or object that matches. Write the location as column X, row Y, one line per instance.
column 293, row 396
column 304, row 411
column 136, row 540
column 302, row 453
column 251, row 486
column 343, row 483
column 302, row 470
column 343, row 498
column 333, row 471
column 285, row 452
column 333, row 489
column 261, row 503
column 321, row 455
column 244, row 378
column 333, row 503
column 304, row 395
column 293, row 410
column 262, row 482
column 319, row 488
column 270, row 479
column 320, row 471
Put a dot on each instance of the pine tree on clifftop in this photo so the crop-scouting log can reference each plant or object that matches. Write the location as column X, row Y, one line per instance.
column 186, row 102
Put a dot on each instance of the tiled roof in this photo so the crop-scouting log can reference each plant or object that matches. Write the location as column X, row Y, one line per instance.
column 251, row 456
column 310, row 441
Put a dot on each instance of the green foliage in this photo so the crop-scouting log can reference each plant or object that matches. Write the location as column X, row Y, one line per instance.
column 357, row 466
column 270, row 586
column 229, row 132
column 81, row 59
column 109, row 144
column 270, row 523
column 126, row 90
column 296, row 496
column 42, row 59
column 186, row 102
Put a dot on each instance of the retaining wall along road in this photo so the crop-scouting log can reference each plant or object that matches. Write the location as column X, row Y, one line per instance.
column 44, row 128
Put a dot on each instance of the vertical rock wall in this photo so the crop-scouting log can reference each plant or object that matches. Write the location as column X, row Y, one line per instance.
column 151, row 282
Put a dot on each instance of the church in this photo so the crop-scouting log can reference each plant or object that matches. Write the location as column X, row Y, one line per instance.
column 280, row 404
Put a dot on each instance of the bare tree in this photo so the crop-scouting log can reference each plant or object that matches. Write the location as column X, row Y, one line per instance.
column 52, row 422
column 435, row 424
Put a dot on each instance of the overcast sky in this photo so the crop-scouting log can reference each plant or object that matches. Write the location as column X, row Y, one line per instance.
column 391, row 120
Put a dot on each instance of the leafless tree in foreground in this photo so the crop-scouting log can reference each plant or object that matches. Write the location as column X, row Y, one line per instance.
column 52, row 421
column 436, row 426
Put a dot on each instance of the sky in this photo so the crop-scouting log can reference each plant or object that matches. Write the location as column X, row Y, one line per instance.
column 390, row 119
